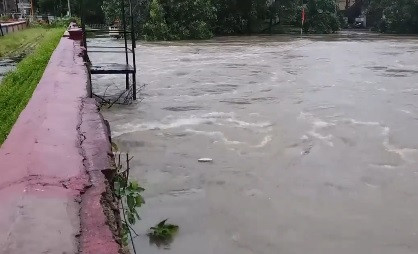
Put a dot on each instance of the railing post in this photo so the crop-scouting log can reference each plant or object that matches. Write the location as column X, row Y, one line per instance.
column 126, row 41
column 133, row 51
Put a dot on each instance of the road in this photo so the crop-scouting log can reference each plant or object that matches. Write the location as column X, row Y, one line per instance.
column 314, row 144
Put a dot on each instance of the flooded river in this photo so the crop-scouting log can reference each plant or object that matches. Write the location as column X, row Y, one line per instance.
column 314, row 144
column 6, row 65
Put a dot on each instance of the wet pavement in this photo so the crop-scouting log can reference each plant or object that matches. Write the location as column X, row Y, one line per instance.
column 314, row 144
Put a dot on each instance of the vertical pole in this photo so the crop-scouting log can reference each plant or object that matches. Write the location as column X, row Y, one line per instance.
column 126, row 42
column 69, row 8
column 90, row 84
column 83, row 25
column 271, row 19
column 133, row 51
column 302, row 19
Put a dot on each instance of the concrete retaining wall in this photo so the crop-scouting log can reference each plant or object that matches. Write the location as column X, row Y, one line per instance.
column 51, row 165
column 6, row 28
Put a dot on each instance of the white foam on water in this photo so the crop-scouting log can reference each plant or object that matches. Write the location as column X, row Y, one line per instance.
column 247, row 124
column 130, row 127
column 326, row 139
column 172, row 121
column 267, row 139
column 386, row 166
column 322, row 124
column 353, row 121
column 304, row 138
column 371, row 185
column 385, row 131
column 317, row 124
column 406, row 111
column 404, row 153
column 219, row 115
column 216, row 134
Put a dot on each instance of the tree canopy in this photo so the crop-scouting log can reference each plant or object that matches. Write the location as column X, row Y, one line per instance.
column 199, row 19
column 396, row 16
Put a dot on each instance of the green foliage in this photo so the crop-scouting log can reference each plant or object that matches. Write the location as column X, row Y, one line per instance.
column 14, row 44
column 5, row 17
column 162, row 233
column 321, row 17
column 156, row 28
column 49, row 6
column 241, row 16
column 129, row 195
column 399, row 16
column 288, row 11
column 65, row 22
column 17, row 87
column 173, row 20
column 92, row 9
column 112, row 10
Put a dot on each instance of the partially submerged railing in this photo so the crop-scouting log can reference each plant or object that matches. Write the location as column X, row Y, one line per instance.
column 128, row 67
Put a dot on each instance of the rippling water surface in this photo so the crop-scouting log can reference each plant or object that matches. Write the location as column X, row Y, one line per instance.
column 314, row 143
column 6, row 65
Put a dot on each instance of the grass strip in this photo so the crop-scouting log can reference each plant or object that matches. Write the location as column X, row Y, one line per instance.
column 17, row 86
column 14, row 44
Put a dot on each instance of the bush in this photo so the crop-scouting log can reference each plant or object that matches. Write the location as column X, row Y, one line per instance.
column 394, row 16
column 243, row 16
column 57, row 23
column 321, row 17
column 173, row 20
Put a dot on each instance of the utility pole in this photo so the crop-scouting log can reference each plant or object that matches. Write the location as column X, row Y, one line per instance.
column 31, row 9
column 4, row 6
column 69, row 8
column 303, row 18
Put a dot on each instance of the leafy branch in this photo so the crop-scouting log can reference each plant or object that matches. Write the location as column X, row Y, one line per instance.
column 129, row 195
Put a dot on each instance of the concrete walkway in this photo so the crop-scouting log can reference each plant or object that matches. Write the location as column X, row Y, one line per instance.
column 51, row 181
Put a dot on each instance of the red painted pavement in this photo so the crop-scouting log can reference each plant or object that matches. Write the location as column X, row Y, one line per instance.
column 50, row 167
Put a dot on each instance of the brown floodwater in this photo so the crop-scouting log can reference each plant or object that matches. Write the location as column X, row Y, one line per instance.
column 314, row 143
column 7, row 65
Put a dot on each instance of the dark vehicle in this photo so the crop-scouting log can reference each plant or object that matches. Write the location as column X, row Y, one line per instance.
column 358, row 24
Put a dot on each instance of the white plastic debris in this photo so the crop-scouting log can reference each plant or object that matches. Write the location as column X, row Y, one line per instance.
column 205, row 160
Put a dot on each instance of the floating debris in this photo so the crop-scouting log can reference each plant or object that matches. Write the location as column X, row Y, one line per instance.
column 205, row 160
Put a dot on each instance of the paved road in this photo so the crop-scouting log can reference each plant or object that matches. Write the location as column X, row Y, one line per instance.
column 314, row 143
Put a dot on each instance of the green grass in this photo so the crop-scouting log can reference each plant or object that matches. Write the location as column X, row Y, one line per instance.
column 17, row 86
column 16, row 43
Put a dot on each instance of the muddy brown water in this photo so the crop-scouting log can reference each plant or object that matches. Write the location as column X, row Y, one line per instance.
column 314, row 143
column 7, row 65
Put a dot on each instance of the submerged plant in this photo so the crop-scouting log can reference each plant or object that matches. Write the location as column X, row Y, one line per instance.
column 162, row 233
column 129, row 195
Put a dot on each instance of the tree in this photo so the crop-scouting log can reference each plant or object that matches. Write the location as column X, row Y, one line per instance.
column 400, row 16
column 240, row 16
column 156, row 28
column 321, row 17
column 112, row 10
column 179, row 20
column 92, row 8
